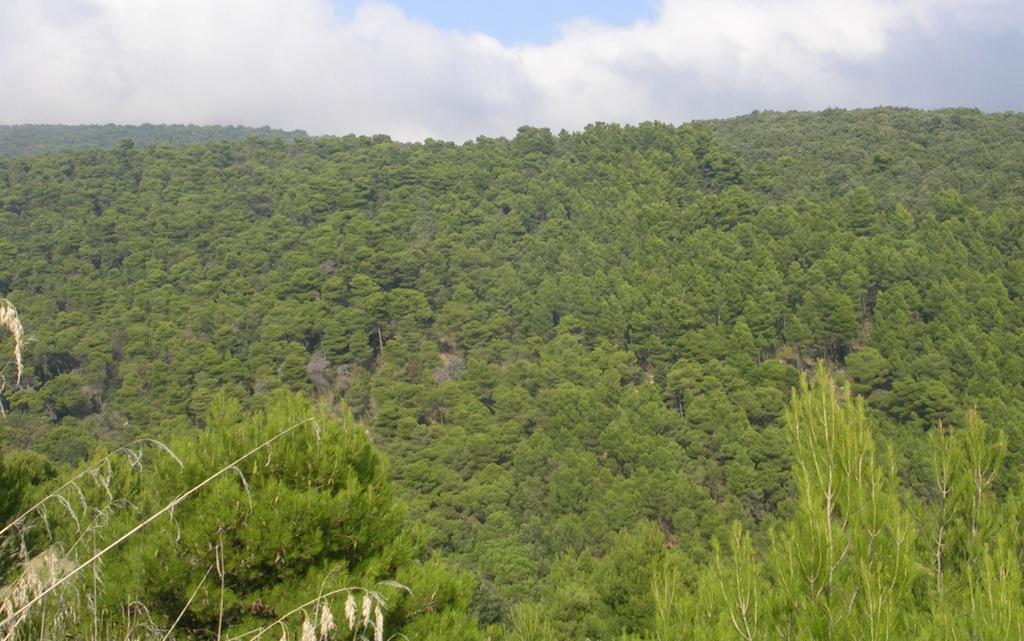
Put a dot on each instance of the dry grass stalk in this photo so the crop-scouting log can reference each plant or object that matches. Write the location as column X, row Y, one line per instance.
column 93, row 471
column 221, row 571
column 9, row 319
column 39, row 573
column 187, row 605
column 373, row 606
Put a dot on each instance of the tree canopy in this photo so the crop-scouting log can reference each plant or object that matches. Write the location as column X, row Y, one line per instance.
column 575, row 349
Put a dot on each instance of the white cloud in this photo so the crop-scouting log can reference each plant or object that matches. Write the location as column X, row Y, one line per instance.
column 296, row 64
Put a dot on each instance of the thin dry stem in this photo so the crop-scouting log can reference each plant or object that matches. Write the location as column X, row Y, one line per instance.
column 221, row 571
column 187, row 604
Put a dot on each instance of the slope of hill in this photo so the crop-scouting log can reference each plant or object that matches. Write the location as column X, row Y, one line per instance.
column 576, row 350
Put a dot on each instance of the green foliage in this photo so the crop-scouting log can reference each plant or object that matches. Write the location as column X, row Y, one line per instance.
column 22, row 475
column 305, row 511
column 24, row 140
column 11, row 501
column 568, row 345
column 856, row 560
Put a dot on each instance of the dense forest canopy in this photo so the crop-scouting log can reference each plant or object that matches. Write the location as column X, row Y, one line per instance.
column 903, row 156
column 576, row 352
column 27, row 140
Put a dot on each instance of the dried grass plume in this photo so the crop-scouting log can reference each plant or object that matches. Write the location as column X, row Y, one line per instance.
column 9, row 319
column 326, row 622
column 307, row 631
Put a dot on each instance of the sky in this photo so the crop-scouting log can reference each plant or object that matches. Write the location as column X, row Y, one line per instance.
column 522, row 22
column 456, row 70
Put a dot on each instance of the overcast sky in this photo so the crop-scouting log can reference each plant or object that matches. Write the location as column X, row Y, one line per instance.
column 456, row 70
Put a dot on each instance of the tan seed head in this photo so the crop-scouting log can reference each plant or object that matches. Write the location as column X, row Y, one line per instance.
column 350, row 611
column 326, row 622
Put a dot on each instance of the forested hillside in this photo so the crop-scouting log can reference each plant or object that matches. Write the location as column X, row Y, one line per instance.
column 576, row 352
column 27, row 140
column 904, row 156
